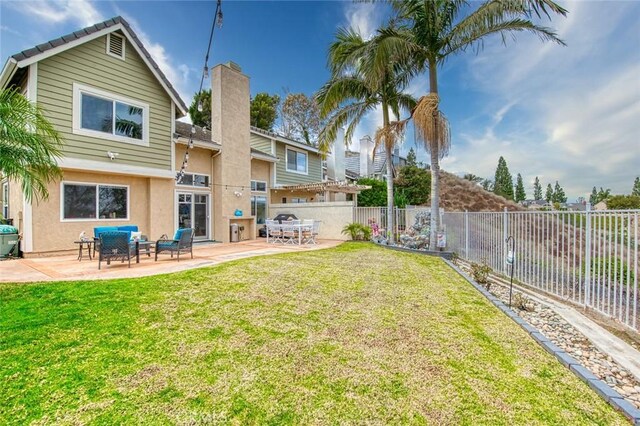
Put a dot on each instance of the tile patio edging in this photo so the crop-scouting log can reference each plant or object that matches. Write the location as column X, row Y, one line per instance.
column 610, row 395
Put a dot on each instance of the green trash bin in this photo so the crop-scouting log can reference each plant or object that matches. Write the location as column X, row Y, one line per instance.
column 8, row 241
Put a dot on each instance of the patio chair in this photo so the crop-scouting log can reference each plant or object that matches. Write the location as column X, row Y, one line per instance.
column 115, row 245
column 309, row 236
column 182, row 243
column 307, row 230
column 289, row 231
column 274, row 231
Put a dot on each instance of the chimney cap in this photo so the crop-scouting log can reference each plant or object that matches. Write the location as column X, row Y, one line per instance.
column 234, row 66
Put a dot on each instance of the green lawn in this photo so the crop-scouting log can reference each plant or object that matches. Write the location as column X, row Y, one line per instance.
column 346, row 335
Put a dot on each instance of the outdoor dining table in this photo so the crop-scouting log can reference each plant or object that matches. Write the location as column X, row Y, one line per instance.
column 296, row 227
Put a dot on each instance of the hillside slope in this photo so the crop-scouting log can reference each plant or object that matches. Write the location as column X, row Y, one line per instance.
column 457, row 194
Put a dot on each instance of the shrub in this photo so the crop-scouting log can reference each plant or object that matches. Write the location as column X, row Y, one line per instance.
column 522, row 302
column 357, row 232
column 623, row 202
column 374, row 197
column 480, row 273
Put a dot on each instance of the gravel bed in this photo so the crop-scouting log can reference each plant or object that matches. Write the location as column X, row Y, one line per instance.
column 573, row 342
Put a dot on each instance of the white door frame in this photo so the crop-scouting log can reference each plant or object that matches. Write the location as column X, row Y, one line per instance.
column 193, row 192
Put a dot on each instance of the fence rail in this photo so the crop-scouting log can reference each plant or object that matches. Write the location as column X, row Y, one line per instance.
column 402, row 218
column 589, row 258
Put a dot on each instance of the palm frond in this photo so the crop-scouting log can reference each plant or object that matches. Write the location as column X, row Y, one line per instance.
column 29, row 144
column 432, row 127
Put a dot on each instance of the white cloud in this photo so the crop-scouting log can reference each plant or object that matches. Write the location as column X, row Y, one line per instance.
column 365, row 18
column 81, row 12
column 564, row 113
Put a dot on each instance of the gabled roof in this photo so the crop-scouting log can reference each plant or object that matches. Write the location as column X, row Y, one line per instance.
column 53, row 47
column 284, row 139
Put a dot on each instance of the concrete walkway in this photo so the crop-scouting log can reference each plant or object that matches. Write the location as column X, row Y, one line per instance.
column 68, row 268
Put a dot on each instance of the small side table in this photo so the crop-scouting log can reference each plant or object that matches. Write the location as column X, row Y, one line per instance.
column 81, row 244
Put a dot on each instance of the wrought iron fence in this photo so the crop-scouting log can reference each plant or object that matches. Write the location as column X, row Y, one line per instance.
column 589, row 258
column 402, row 218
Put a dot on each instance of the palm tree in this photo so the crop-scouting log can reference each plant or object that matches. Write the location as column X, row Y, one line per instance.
column 29, row 145
column 354, row 90
column 429, row 32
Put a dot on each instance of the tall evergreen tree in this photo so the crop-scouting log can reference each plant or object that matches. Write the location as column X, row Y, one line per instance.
column 503, row 182
column 264, row 111
column 548, row 196
column 558, row 194
column 603, row 194
column 521, row 195
column 200, row 109
column 412, row 159
column 537, row 189
column 593, row 198
column 636, row 187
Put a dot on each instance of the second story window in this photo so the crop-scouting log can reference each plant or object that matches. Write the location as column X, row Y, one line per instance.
column 296, row 161
column 103, row 115
column 258, row 186
column 196, row 180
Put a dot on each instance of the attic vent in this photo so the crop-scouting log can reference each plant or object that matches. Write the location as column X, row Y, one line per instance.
column 115, row 45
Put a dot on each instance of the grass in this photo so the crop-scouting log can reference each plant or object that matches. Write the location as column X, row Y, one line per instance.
column 354, row 334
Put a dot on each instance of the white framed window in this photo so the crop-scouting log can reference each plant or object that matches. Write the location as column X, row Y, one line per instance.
column 5, row 200
column 116, row 45
column 297, row 161
column 195, row 180
column 258, row 186
column 105, row 115
column 91, row 201
column 259, row 208
column 298, row 200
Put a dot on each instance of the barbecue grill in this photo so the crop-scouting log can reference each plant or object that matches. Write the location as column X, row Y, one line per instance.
column 285, row 216
column 262, row 232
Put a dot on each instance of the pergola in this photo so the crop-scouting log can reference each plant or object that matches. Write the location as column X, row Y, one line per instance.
column 342, row 187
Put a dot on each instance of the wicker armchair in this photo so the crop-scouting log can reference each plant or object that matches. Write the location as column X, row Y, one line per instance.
column 115, row 245
column 182, row 243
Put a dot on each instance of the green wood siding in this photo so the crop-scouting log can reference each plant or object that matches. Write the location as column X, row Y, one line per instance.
column 90, row 65
column 283, row 177
column 260, row 143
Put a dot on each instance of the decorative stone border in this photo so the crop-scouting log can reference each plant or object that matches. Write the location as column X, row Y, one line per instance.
column 610, row 395
column 448, row 255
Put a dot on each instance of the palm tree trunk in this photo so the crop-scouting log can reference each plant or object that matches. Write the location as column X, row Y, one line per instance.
column 389, row 153
column 435, row 166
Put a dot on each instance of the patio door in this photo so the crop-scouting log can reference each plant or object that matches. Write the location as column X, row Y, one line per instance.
column 193, row 212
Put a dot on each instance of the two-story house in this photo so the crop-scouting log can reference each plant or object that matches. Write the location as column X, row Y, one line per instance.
column 123, row 148
column 115, row 110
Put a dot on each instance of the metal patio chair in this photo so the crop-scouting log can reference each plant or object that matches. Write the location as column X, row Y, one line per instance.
column 182, row 243
column 115, row 245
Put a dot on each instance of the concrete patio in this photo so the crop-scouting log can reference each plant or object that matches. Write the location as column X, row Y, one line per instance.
column 67, row 266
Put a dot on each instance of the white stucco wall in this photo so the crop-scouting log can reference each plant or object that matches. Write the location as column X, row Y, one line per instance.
column 333, row 216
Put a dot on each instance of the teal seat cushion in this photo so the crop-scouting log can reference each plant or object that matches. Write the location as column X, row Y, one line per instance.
column 165, row 244
column 179, row 232
column 129, row 228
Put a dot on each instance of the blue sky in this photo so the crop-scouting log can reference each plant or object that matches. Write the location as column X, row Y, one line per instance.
column 561, row 113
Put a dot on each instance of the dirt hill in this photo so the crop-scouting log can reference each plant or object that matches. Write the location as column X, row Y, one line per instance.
column 457, row 194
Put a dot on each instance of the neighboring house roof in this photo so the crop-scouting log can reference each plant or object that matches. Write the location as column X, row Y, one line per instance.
column 260, row 155
column 53, row 47
column 201, row 138
column 184, row 129
column 285, row 139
